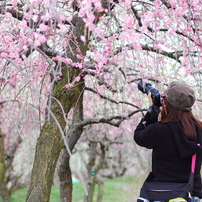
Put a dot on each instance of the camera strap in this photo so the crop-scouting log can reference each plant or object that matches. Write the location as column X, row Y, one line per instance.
column 193, row 163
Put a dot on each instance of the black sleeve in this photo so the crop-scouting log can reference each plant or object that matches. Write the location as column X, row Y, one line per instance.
column 154, row 114
column 144, row 134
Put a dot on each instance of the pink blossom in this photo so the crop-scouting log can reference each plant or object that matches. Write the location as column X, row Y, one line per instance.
column 187, row 71
column 42, row 106
column 68, row 86
column 79, row 56
column 43, row 27
column 171, row 30
column 8, row 15
column 68, row 61
column 58, row 78
column 23, row 24
column 13, row 80
column 62, row 18
column 4, row 54
column 46, row 17
column 101, row 18
column 46, row 3
column 63, row 28
column 35, row 18
column 115, row 36
column 77, row 79
column 35, row 2
column 89, row 25
column 40, row 39
column 78, row 65
column 83, row 38
column 14, row 4
column 25, row 48
column 99, row 6
column 128, row 21
column 3, row 100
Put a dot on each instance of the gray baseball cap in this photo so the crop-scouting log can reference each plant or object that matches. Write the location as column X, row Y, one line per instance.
column 180, row 95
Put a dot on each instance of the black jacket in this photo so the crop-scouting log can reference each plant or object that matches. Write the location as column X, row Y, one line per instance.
column 172, row 151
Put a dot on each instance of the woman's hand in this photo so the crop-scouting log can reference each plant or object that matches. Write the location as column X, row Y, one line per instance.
column 150, row 99
column 159, row 117
column 151, row 103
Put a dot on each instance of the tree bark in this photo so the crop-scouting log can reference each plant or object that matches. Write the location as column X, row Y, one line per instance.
column 91, row 184
column 72, row 136
column 93, row 169
column 64, row 170
column 47, row 151
column 64, row 173
column 50, row 143
column 4, row 192
column 100, row 190
column 6, row 163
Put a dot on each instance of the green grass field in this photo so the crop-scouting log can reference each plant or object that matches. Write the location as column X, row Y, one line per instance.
column 118, row 189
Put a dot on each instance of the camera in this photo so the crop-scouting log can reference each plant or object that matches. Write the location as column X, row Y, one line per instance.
column 146, row 87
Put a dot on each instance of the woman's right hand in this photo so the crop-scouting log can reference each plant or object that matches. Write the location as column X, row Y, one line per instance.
column 150, row 99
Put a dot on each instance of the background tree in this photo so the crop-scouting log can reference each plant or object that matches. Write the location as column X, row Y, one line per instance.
column 56, row 55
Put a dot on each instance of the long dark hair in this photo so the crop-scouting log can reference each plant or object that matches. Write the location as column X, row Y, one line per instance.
column 186, row 119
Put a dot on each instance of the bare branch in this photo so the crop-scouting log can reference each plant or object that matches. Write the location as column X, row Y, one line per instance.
column 108, row 120
column 174, row 55
column 109, row 99
column 137, row 16
column 167, row 4
column 10, row 156
column 149, row 79
column 48, row 51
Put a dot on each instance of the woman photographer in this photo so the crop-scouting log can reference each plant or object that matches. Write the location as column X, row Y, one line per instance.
column 174, row 138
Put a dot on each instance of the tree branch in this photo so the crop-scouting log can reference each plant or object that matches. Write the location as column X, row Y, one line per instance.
column 109, row 99
column 137, row 16
column 173, row 55
column 108, row 120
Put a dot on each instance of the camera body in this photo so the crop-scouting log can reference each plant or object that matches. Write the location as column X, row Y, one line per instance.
column 146, row 87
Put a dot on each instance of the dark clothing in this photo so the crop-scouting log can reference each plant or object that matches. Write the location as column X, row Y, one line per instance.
column 172, row 151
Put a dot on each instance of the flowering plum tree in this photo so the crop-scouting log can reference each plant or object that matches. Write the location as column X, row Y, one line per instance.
column 88, row 56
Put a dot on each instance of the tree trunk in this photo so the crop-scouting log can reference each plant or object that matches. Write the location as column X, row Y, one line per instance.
column 91, row 184
column 100, row 190
column 64, row 173
column 64, row 170
column 50, row 142
column 93, row 169
column 46, row 155
column 72, row 136
column 4, row 192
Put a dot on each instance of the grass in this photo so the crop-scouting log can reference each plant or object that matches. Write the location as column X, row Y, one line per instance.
column 118, row 189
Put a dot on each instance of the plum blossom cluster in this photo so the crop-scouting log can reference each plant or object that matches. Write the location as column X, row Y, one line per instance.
column 133, row 40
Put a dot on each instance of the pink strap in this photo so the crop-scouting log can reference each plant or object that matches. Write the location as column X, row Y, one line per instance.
column 193, row 163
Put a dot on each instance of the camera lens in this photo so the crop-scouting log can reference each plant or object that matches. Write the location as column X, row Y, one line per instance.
column 146, row 87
